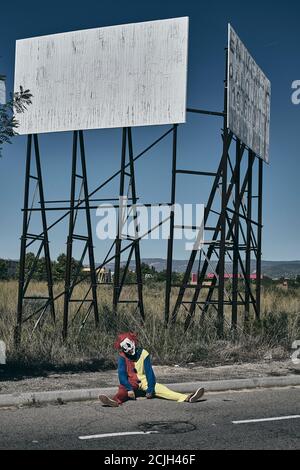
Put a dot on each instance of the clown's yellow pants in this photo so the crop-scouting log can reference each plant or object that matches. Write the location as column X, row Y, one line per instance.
column 161, row 391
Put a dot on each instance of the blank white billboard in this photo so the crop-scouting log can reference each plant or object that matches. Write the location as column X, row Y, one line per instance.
column 249, row 98
column 118, row 76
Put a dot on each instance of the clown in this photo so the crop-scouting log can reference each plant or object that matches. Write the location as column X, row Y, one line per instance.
column 136, row 376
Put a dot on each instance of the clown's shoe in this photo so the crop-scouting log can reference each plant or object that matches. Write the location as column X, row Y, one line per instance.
column 194, row 397
column 108, row 401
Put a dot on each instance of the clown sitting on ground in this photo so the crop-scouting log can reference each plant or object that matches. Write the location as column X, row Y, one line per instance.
column 136, row 376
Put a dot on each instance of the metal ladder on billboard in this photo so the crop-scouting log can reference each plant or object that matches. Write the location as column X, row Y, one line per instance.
column 72, row 275
column 225, row 239
column 120, row 281
column 28, row 239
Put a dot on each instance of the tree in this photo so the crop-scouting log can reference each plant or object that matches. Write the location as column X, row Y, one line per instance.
column 3, row 270
column 39, row 273
column 130, row 275
column 146, row 269
column 59, row 268
column 8, row 123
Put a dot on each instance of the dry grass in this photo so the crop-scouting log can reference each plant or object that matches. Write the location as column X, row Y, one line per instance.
column 90, row 349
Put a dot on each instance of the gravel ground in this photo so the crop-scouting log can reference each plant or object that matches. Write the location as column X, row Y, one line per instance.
column 164, row 374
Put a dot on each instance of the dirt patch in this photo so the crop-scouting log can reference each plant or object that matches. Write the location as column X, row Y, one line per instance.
column 164, row 374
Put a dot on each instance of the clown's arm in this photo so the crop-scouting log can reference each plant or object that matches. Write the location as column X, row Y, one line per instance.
column 151, row 380
column 122, row 372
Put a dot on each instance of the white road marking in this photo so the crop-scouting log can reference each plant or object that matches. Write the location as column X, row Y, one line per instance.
column 116, row 434
column 277, row 418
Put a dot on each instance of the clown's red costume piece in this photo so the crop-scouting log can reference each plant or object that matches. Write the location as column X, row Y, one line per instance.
column 136, row 376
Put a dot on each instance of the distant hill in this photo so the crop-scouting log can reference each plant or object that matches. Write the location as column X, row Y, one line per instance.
column 273, row 269
column 288, row 269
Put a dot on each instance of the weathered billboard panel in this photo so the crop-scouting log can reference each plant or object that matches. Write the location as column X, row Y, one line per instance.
column 2, row 90
column 248, row 99
column 118, row 76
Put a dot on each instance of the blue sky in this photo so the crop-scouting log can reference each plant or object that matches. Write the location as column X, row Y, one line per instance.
column 270, row 31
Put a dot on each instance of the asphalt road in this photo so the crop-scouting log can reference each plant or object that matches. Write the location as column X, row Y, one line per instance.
column 205, row 425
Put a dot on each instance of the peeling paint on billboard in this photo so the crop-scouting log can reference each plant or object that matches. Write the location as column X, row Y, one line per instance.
column 2, row 90
column 118, row 76
column 248, row 99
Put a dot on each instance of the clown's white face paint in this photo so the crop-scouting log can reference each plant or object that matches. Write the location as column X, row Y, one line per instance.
column 128, row 346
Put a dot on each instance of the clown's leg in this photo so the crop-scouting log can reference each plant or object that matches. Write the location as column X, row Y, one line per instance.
column 118, row 399
column 122, row 395
column 161, row 391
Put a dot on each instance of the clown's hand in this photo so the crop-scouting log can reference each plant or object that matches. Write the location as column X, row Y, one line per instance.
column 149, row 395
column 131, row 394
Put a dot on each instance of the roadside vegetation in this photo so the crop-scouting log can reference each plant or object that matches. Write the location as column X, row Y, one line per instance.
column 90, row 349
column 17, row 104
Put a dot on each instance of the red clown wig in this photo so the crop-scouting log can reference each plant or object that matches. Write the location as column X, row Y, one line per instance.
column 122, row 336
